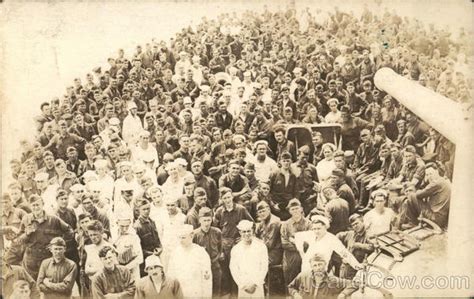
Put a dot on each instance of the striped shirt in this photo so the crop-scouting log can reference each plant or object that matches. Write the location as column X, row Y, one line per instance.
column 62, row 274
column 113, row 281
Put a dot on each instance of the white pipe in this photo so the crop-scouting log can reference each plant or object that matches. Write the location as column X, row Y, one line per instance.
column 443, row 114
column 455, row 123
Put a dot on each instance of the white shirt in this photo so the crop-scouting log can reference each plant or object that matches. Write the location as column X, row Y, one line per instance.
column 333, row 117
column 140, row 154
column 130, row 243
column 328, row 244
column 249, row 265
column 265, row 168
column 132, row 126
column 325, row 169
column 377, row 223
column 190, row 266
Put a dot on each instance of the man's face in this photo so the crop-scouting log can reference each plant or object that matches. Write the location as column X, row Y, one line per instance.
column 339, row 161
column 285, row 163
column 57, row 251
column 358, row 225
column 379, row 203
column 246, row 235
column 123, row 227
column 205, row 222
column 6, row 203
column 109, row 260
column 296, row 211
column 263, row 213
column 319, row 229
column 88, row 205
column 409, row 157
column 95, row 236
column 318, row 267
column 364, row 137
column 430, row 174
column 280, row 138
column 227, row 199
column 186, row 240
column 37, row 207
column 62, row 201
column 201, row 200
column 196, row 168
column 261, row 150
column 171, row 207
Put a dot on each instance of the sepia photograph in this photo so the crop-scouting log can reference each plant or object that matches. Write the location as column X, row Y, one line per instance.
column 237, row 149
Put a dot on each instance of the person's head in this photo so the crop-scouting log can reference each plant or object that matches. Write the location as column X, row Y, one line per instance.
column 294, row 208
column 62, row 198
column 357, row 223
column 154, row 267
column 57, row 246
column 379, row 198
column 263, row 210
column 60, row 167
column 87, row 201
column 245, row 228
column 333, row 103
column 234, row 168
column 226, row 196
column 83, row 220
column 200, row 197
column 108, row 256
column 401, row 126
column 395, row 149
column 409, row 154
column 196, row 167
column 21, row 290
column 365, row 135
column 328, row 150
column 36, row 204
column 432, row 172
column 95, row 231
column 171, row 205
column 143, row 208
column 123, row 224
column 339, row 160
column 205, row 218
column 7, row 203
column 279, row 134
column 319, row 225
column 48, row 159
column 261, row 149
column 185, row 235
column 318, row 265
column 41, row 180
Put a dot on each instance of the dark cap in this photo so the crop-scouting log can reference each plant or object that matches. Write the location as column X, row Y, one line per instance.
column 57, row 241
column 285, row 155
column 338, row 172
column 250, row 166
column 293, row 203
column 205, row 212
column 199, row 191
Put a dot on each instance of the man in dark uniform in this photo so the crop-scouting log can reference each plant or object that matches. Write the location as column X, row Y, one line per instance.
column 36, row 231
column 357, row 242
column 210, row 238
column 147, row 232
column 268, row 229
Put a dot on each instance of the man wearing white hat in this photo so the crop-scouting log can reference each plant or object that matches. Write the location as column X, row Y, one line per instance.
column 144, row 150
column 132, row 125
column 47, row 191
column 128, row 245
column 104, row 179
column 323, row 243
column 191, row 266
column 157, row 285
column 249, row 262
column 168, row 227
column 264, row 165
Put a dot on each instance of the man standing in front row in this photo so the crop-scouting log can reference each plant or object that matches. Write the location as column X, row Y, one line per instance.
column 57, row 274
column 210, row 238
column 249, row 262
column 113, row 281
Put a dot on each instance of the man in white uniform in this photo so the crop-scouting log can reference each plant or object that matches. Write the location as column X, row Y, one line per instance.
column 323, row 243
column 191, row 266
column 249, row 262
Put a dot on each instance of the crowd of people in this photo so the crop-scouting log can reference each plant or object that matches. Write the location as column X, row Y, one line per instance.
column 170, row 174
